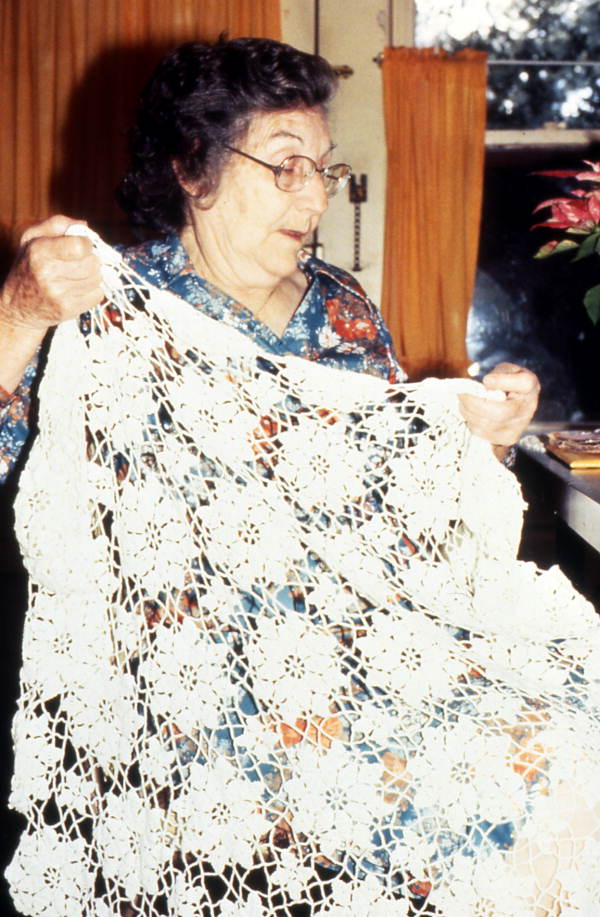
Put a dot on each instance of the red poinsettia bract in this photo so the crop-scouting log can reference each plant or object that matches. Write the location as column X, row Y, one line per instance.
column 577, row 215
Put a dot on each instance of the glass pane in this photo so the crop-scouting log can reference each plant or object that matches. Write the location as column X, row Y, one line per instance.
column 524, row 96
column 521, row 96
column 528, row 311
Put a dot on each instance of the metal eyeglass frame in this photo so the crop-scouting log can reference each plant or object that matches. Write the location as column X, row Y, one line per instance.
column 339, row 182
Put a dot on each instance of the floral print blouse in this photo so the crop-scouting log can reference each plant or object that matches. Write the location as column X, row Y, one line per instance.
column 335, row 324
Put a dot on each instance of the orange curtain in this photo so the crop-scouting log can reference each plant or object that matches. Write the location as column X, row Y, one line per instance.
column 70, row 74
column 435, row 110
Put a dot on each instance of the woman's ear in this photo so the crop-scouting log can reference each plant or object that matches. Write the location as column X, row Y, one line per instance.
column 190, row 187
column 196, row 192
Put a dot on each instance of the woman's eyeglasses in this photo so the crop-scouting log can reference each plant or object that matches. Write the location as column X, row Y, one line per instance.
column 295, row 172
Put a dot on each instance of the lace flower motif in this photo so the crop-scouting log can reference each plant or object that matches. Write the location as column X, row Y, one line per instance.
column 186, row 676
column 413, row 852
column 533, row 602
column 466, row 774
column 59, row 641
column 151, row 523
column 102, row 712
column 366, row 898
column 386, row 426
column 252, row 533
column 219, row 814
column 335, row 797
column 49, row 875
column 76, row 791
column 156, row 761
column 222, row 426
column 63, row 519
column 415, row 488
column 220, row 605
column 374, row 724
column 296, row 667
column 343, row 550
column 317, row 469
column 110, row 389
column 257, row 737
column 583, row 881
column 186, row 900
column 531, row 661
column 333, row 601
column 125, row 827
column 292, row 876
column 441, row 588
column 35, row 760
column 411, row 656
column 320, row 387
column 483, row 887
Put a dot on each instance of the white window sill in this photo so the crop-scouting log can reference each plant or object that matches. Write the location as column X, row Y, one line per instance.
column 542, row 137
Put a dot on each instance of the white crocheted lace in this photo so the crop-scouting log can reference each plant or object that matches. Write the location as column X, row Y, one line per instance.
column 279, row 656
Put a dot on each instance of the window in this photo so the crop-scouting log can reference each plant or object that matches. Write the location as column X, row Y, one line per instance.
column 527, row 311
column 544, row 56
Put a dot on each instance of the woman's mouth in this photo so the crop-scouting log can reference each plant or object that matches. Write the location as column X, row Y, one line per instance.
column 293, row 234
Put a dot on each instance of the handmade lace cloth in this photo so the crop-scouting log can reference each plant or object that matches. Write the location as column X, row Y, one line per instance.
column 279, row 657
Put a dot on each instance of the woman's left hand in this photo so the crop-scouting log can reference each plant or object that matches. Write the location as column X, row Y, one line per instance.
column 503, row 422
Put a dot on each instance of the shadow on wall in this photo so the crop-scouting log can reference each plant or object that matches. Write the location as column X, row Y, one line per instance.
column 93, row 146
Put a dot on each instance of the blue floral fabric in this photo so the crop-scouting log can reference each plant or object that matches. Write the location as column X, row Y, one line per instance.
column 14, row 420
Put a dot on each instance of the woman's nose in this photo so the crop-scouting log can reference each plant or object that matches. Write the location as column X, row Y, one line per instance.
column 313, row 195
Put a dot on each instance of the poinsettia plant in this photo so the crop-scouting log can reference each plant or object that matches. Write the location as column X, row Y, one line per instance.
column 579, row 216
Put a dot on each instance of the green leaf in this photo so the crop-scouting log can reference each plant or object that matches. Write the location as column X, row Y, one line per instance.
column 588, row 246
column 551, row 248
column 591, row 301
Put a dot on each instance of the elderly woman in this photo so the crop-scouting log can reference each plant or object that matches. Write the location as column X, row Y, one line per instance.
column 231, row 171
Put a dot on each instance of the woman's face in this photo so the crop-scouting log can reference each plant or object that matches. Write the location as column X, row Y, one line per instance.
column 251, row 233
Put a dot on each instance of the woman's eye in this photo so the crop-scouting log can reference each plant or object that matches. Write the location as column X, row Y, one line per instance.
column 295, row 167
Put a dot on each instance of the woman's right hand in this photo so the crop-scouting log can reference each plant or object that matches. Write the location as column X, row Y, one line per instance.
column 54, row 278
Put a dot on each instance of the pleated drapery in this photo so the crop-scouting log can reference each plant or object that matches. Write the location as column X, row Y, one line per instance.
column 435, row 110
column 70, row 74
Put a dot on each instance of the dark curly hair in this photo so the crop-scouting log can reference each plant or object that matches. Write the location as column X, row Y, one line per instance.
column 200, row 97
